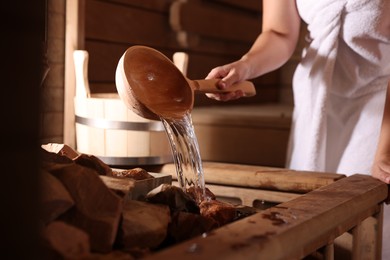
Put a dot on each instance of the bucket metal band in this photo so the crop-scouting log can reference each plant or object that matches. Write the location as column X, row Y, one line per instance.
column 147, row 160
column 120, row 125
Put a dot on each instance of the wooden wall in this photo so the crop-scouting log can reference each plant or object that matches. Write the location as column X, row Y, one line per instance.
column 212, row 32
column 52, row 92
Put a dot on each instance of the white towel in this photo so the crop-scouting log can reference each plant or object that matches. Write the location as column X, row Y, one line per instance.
column 339, row 87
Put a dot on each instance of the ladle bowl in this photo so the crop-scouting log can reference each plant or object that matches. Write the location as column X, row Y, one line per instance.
column 152, row 86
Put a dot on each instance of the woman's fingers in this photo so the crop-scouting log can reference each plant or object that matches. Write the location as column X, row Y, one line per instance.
column 381, row 171
column 226, row 96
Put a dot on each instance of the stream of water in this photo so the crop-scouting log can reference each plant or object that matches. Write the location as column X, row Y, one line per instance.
column 186, row 155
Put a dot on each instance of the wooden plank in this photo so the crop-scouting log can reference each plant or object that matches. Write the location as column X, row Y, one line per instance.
column 163, row 5
column 267, row 116
column 261, row 177
column 250, row 5
column 104, row 57
column 220, row 47
column 200, row 63
column 242, row 144
column 292, row 229
column 205, row 46
column 207, row 20
column 105, row 87
column 249, row 197
column 117, row 23
column 152, row 5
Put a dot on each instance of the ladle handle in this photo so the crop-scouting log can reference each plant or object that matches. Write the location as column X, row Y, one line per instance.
column 210, row 86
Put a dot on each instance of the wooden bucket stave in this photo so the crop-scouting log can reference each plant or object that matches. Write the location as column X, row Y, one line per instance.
column 106, row 128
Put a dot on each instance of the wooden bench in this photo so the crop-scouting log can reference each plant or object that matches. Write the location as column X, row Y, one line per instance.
column 316, row 213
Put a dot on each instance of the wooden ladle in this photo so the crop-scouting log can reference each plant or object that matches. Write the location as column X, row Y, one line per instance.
column 151, row 85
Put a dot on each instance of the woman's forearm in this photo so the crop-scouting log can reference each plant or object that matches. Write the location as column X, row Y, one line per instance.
column 381, row 166
column 270, row 51
column 384, row 138
column 278, row 39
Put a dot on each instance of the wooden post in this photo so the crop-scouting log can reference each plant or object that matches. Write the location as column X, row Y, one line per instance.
column 329, row 252
column 367, row 238
column 74, row 39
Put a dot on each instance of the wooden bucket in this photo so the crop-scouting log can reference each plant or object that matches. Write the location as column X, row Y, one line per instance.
column 106, row 128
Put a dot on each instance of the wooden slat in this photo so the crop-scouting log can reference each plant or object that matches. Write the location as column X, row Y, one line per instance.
column 269, row 116
column 104, row 57
column 200, row 64
column 152, row 5
column 205, row 46
column 250, row 5
column 261, row 177
column 208, row 20
column 106, row 87
column 249, row 196
column 292, row 229
column 242, row 144
column 121, row 24
column 216, row 47
column 246, row 196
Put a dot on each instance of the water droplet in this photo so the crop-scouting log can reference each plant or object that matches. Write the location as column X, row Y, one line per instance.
column 178, row 99
column 193, row 248
column 151, row 76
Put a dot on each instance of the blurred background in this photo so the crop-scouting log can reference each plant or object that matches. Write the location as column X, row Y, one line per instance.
column 212, row 33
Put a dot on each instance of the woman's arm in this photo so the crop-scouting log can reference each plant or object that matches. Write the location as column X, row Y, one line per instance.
column 278, row 39
column 381, row 166
column 272, row 48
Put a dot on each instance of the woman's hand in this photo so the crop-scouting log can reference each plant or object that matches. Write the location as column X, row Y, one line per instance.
column 381, row 169
column 228, row 74
column 381, row 166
